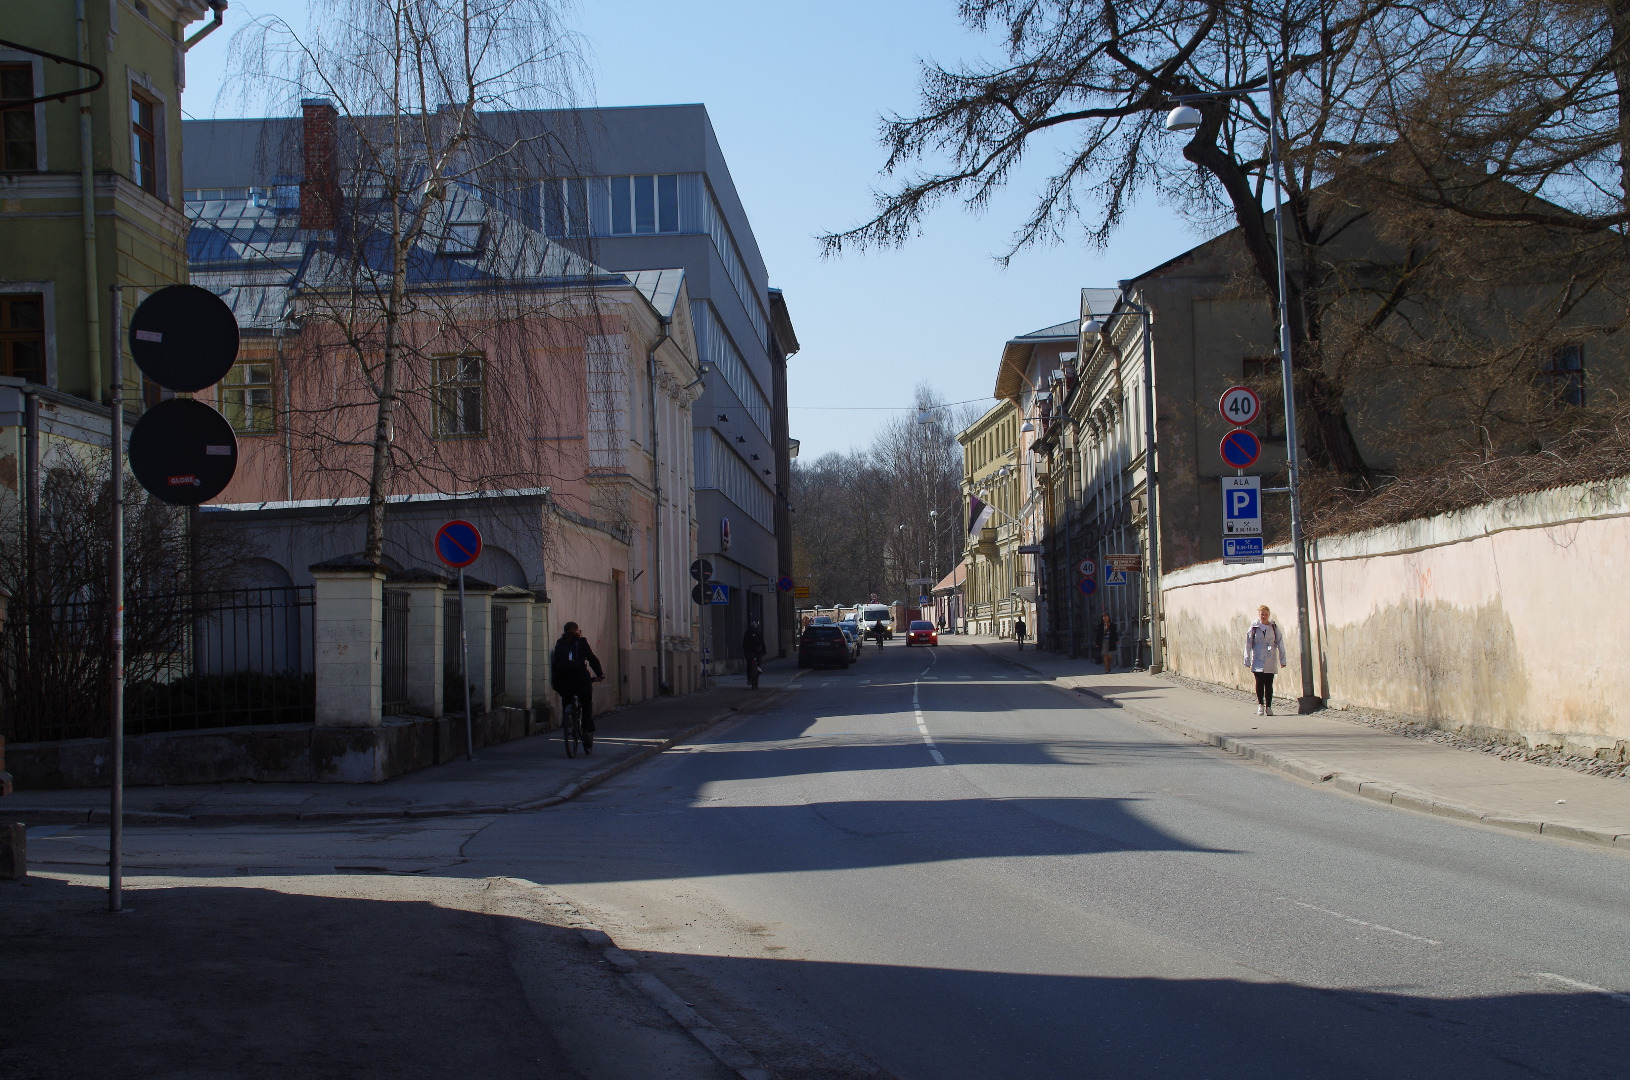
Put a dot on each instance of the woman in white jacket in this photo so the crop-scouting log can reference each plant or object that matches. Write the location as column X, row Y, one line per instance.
column 1264, row 654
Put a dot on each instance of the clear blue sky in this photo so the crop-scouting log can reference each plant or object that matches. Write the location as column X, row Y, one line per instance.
column 795, row 92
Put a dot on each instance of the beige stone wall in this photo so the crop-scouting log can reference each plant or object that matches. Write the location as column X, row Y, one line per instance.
column 1508, row 617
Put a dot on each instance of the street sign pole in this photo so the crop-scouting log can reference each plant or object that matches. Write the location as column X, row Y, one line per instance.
column 464, row 670
column 116, row 614
column 1310, row 701
column 458, row 544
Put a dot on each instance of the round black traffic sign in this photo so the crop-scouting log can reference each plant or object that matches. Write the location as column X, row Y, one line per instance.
column 184, row 338
column 183, row 451
column 701, row 570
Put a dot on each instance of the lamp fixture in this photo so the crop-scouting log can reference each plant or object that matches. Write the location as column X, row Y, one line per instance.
column 1027, row 427
column 1183, row 118
column 1092, row 327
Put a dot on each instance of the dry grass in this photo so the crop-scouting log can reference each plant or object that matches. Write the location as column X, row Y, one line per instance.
column 1332, row 507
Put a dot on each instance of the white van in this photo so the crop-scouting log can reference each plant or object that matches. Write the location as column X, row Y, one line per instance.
column 874, row 615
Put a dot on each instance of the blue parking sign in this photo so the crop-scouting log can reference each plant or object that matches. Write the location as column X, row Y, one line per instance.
column 1242, row 505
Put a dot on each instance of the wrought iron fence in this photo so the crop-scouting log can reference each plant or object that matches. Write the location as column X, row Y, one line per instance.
column 394, row 656
column 500, row 646
column 212, row 658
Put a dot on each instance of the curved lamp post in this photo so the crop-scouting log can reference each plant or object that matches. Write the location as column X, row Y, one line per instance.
column 1186, row 117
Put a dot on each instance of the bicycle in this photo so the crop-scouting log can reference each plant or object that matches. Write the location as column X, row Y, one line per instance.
column 752, row 672
column 571, row 725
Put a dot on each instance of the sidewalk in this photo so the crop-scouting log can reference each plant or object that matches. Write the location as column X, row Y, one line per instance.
column 1353, row 757
column 522, row 775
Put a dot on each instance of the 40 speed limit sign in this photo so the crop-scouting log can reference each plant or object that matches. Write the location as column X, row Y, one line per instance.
column 1239, row 405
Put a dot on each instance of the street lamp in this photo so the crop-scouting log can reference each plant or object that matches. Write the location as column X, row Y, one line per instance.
column 1186, row 117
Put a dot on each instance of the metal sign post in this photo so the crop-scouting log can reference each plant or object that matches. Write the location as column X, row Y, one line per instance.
column 458, row 544
column 182, row 451
column 464, row 670
column 116, row 614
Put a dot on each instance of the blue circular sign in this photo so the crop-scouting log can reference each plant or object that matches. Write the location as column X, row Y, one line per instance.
column 1240, row 449
column 1088, row 586
column 784, row 583
column 458, row 544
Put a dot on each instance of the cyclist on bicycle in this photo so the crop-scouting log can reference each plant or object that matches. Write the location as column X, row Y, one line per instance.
column 752, row 647
column 569, row 666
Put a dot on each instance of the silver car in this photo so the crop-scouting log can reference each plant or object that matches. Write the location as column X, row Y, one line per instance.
column 851, row 630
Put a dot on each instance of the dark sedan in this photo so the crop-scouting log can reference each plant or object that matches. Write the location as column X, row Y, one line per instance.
column 823, row 645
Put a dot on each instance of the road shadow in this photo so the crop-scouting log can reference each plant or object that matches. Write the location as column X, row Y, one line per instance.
column 957, row 1024
column 350, row 979
column 386, row 978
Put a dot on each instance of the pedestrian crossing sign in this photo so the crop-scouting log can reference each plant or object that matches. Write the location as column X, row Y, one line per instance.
column 1113, row 576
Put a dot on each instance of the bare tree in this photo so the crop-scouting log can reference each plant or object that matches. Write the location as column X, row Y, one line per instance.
column 1354, row 78
column 425, row 283
column 864, row 521
column 54, row 654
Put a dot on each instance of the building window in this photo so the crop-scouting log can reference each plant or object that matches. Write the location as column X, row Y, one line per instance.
column 644, row 204
column 144, row 142
column 17, row 84
column 1265, row 375
column 22, row 337
column 1563, row 376
column 459, row 395
column 566, row 207
column 246, row 398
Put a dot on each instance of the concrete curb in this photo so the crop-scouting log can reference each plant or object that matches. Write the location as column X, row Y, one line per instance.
column 1318, row 773
column 727, row 1051
column 100, row 815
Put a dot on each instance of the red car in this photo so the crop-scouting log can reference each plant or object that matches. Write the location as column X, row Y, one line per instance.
column 922, row 632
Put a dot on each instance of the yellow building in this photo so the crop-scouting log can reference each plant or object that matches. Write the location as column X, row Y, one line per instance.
column 990, row 475
column 90, row 196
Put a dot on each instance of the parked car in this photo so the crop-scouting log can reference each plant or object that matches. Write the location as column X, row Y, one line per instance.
column 922, row 632
column 823, row 644
column 852, row 630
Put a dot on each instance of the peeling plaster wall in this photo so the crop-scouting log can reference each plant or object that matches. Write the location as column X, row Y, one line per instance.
column 1508, row 618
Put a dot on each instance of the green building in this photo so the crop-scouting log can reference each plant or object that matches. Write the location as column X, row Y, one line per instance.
column 90, row 195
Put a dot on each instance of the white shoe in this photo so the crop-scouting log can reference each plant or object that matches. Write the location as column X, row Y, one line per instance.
column 1259, row 709
column 1268, row 711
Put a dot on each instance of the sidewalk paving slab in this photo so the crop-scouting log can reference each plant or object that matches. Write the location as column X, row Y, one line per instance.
column 1353, row 757
column 526, row 774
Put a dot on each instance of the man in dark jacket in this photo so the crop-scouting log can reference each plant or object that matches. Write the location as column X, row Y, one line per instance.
column 569, row 668
column 752, row 642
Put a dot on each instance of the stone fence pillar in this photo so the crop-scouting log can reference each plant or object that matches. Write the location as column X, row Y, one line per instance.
column 517, row 604
column 543, row 642
column 426, row 589
column 349, row 635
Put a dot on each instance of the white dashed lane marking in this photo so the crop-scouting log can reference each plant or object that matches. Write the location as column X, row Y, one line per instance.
column 917, row 708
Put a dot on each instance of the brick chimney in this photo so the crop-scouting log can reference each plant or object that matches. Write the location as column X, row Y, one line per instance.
column 319, row 181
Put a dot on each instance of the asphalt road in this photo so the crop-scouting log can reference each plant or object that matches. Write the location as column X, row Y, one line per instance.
column 932, row 866
column 1074, row 892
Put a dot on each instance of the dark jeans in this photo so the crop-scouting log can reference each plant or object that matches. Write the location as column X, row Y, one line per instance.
column 585, row 699
column 1264, row 687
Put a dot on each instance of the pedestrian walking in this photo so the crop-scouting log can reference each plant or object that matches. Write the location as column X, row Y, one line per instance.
column 1018, row 632
column 1264, row 655
column 1108, row 637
